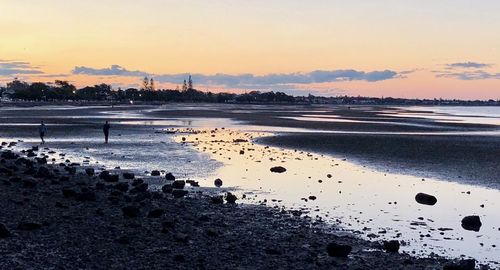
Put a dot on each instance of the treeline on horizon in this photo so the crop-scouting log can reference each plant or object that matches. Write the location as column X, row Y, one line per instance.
column 65, row 91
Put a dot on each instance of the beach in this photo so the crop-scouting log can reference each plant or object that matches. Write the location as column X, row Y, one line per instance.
column 351, row 150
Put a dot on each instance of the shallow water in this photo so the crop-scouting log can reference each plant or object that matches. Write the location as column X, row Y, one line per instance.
column 374, row 204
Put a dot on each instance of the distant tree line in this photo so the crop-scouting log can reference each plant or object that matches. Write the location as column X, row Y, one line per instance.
column 64, row 91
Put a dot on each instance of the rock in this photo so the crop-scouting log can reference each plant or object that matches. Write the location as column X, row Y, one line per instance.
column 29, row 182
column 43, row 172
column 69, row 192
column 462, row 265
column 426, row 199
column 131, row 211
column 140, row 188
column 169, row 177
column 278, row 169
column 336, row 250
column 167, row 225
column 28, row 226
column 156, row 213
column 87, row 196
column 167, row 188
column 312, row 198
column 391, row 246
column 90, row 171
column 128, row 176
column 231, row 198
column 112, row 178
column 4, row 232
column 155, row 173
column 472, row 223
column 218, row 182
column 103, row 175
column 179, row 184
column 217, row 199
column 122, row 186
column 137, row 182
column 193, row 183
column 179, row 193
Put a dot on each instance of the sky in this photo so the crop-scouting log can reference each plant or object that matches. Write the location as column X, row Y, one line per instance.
column 380, row 48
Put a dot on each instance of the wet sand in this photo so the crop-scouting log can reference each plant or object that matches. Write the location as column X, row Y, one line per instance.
column 57, row 216
column 406, row 153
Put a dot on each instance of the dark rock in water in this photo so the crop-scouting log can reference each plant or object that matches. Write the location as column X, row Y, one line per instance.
column 179, row 184
column 169, row 177
column 472, row 223
column 278, row 169
column 90, row 171
column 69, row 192
column 193, row 183
column 128, row 176
column 122, row 186
column 329, row 175
column 391, row 246
column 167, row 188
column 336, row 250
column 156, row 213
column 4, row 232
column 462, row 265
column 426, row 199
column 231, row 198
column 242, row 152
column 179, row 193
column 312, row 198
column 167, row 225
column 70, row 170
column 155, row 173
column 131, row 211
column 218, row 182
column 28, row 226
column 217, row 199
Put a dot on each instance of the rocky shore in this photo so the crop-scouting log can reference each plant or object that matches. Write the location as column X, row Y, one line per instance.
column 67, row 216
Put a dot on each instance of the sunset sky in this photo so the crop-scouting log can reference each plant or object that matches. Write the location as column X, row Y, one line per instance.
column 403, row 48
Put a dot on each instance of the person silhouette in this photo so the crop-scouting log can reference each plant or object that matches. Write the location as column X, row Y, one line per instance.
column 42, row 130
column 105, row 129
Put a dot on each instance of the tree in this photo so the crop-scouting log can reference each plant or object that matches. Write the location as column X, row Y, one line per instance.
column 145, row 83
column 151, row 85
column 184, row 86
column 190, row 83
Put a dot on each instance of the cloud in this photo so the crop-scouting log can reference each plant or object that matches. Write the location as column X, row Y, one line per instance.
column 12, row 68
column 251, row 80
column 468, row 65
column 114, row 70
column 469, row 75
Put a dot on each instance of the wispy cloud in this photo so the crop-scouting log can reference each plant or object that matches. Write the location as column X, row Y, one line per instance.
column 251, row 80
column 469, row 75
column 12, row 68
column 114, row 70
column 468, row 65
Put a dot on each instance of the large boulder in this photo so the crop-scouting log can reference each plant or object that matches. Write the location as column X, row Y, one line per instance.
column 472, row 223
column 218, row 182
column 426, row 199
column 278, row 169
column 391, row 246
column 128, row 175
column 336, row 250
column 179, row 184
column 169, row 177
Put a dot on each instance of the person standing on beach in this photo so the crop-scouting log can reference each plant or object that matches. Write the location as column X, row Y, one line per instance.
column 105, row 129
column 42, row 129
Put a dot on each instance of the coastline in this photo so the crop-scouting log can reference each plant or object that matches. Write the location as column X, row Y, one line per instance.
column 80, row 220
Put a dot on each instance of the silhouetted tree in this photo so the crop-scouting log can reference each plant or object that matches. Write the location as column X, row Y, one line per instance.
column 190, row 83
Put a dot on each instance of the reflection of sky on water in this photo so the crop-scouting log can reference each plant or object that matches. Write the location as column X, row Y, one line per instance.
column 365, row 200
column 357, row 196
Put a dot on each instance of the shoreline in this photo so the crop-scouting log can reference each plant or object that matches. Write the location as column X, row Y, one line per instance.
column 80, row 219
